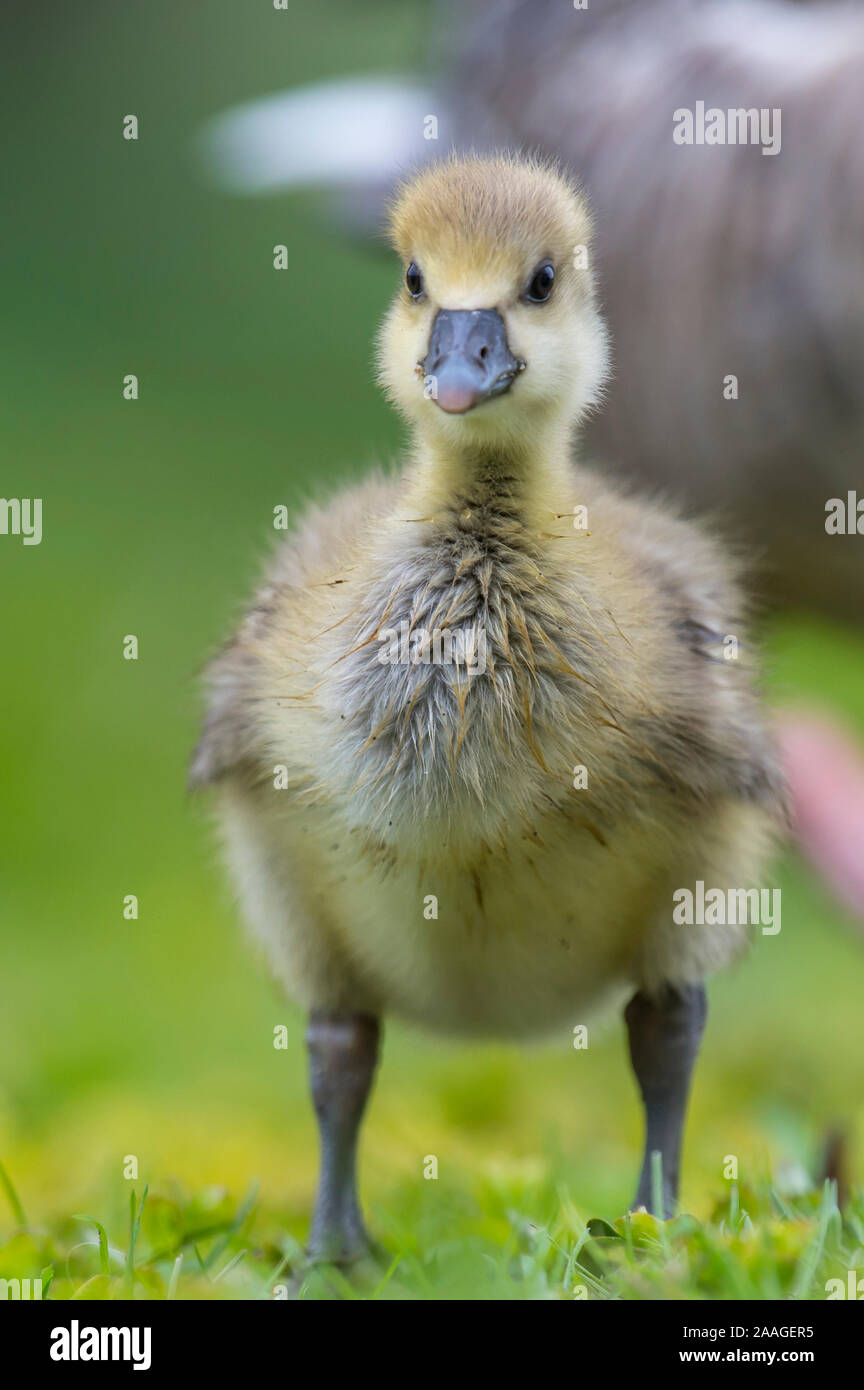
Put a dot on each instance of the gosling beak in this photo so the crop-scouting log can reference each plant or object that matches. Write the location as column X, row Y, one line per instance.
column 468, row 359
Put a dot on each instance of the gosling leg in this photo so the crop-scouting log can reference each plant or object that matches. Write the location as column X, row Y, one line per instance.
column 664, row 1032
column 343, row 1050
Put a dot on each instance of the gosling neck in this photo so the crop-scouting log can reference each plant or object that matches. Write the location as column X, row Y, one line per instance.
column 528, row 479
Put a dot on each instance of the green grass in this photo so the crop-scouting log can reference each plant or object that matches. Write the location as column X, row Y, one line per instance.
column 519, row 1238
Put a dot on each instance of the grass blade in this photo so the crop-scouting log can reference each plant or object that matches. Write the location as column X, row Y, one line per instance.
column 134, row 1227
column 103, row 1241
column 12, row 1197
column 171, row 1292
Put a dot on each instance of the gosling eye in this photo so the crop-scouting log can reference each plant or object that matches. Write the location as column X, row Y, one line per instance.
column 540, row 285
column 414, row 281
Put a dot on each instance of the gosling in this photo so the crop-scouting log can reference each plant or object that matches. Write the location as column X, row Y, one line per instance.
column 479, row 724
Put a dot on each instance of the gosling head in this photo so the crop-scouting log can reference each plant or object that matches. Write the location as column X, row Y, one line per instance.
column 494, row 331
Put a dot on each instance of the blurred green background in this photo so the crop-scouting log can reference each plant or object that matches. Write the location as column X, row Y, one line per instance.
column 154, row 1037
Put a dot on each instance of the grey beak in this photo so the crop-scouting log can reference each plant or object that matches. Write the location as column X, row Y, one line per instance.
column 468, row 358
